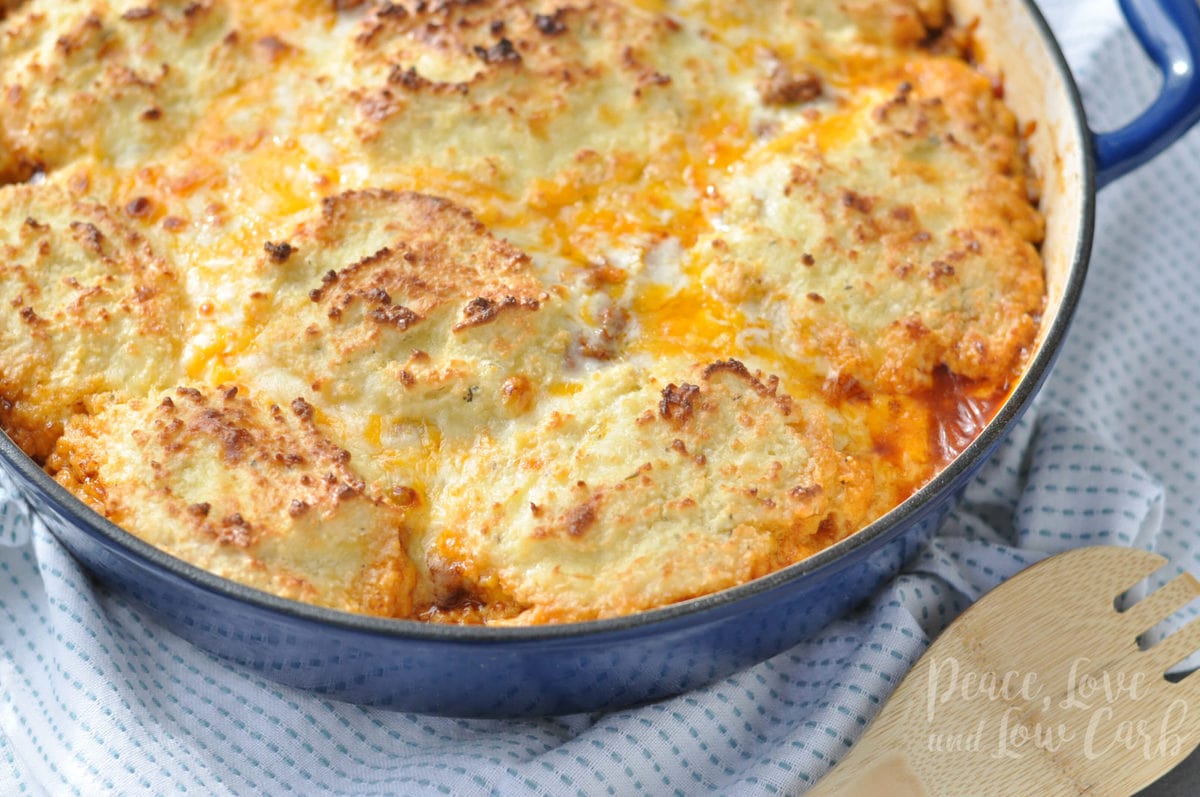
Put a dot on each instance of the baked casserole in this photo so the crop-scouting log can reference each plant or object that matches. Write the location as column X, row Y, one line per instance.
column 487, row 311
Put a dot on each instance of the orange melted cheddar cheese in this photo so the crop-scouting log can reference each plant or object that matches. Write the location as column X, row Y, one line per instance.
column 500, row 311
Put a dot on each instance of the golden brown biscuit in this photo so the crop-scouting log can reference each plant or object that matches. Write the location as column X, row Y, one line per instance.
column 890, row 285
column 250, row 491
column 121, row 81
column 640, row 492
column 401, row 317
column 86, row 307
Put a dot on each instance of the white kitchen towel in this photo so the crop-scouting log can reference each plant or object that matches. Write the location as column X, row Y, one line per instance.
column 95, row 698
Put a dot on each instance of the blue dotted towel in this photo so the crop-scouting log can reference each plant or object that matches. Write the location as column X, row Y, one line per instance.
column 96, row 698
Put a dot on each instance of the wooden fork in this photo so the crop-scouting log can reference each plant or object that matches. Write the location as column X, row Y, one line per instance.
column 1040, row 688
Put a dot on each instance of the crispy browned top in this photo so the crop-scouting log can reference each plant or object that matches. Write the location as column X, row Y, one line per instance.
column 503, row 311
column 251, row 489
column 89, row 307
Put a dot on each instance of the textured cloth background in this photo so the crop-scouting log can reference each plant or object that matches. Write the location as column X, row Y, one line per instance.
column 95, row 698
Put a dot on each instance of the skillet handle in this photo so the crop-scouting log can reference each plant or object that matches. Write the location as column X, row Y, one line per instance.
column 1169, row 31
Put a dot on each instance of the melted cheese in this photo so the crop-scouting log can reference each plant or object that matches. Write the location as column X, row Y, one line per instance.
column 590, row 307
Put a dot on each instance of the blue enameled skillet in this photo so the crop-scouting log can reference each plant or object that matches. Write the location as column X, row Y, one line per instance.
column 474, row 671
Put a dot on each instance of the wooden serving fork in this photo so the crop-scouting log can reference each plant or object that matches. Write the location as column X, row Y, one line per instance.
column 1040, row 688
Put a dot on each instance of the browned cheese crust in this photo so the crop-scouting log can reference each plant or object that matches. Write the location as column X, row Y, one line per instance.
column 504, row 311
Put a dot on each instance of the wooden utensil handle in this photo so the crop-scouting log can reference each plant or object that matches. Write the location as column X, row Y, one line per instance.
column 886, row 774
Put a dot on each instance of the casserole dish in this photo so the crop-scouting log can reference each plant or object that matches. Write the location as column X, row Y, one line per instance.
column 482, row 671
